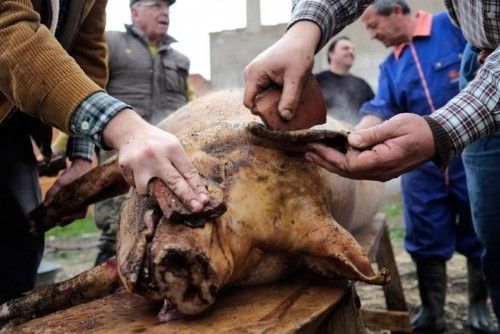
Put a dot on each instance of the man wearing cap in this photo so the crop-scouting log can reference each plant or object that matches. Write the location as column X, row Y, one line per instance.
column 148, row 74
column 53, row 68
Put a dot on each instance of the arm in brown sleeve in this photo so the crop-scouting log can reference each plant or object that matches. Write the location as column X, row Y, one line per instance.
column 89, row 49
column 36, row 73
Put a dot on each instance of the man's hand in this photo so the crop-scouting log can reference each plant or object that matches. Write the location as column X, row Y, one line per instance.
column 286, row 63
column 145, row 152
column 78, row 168
column 381, row 152
column 367, row 122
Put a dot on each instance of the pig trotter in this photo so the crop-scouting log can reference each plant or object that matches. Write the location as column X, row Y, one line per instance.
column 91, row 284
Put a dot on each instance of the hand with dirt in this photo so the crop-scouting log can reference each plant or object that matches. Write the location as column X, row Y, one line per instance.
column 286, row 63
column 146, row 152
column 381, row 152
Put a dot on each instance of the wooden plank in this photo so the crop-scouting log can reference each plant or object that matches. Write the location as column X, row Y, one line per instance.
column 345, row 318
column 395, row 321
column 375, row 240
column 394, row 295
column 285, row 307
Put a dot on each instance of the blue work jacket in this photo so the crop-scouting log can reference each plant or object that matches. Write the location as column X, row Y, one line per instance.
column 400, row 88
column 433, row 62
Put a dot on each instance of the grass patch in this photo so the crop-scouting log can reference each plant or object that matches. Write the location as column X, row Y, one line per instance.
column 396, row 233
column 394, row 214
column 77, row 228
column 393, row 210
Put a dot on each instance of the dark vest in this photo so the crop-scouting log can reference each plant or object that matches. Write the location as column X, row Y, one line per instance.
column 154, row 87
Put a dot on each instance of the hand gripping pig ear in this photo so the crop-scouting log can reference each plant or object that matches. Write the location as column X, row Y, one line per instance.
column 175, row 212
column 107, row 181
column 311, row 109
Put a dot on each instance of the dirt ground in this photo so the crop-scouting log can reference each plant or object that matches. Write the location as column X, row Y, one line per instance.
column 456, row 298
column 78, row 254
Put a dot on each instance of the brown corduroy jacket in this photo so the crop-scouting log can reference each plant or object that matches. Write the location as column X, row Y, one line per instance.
column 37, row 75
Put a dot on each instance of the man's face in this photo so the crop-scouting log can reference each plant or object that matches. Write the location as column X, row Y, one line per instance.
column 343, row 53
column 152, row 18
column 387, row 29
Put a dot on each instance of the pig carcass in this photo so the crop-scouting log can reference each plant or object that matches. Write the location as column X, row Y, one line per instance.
column 272, row 212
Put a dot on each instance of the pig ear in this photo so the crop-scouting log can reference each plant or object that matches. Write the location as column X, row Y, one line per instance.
column 332, row 251
column 296, row 141
column 102, row 182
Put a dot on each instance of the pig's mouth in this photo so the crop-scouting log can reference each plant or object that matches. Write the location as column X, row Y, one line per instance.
column 172, row 269
column 186, row 279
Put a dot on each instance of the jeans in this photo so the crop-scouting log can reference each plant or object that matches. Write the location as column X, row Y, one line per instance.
column 482, row 166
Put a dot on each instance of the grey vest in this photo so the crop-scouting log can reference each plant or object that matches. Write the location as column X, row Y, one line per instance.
column 154, row 87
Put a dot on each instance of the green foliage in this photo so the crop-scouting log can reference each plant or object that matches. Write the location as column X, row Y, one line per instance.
column 393, row 210
column 394, row 213
column 396, row 233
column 79, row 227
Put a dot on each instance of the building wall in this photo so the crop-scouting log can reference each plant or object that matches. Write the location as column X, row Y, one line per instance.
column 231, row 51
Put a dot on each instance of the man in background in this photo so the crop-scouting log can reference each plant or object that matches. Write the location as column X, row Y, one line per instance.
column 419, row 75
column 148, row 74
column 344, row 93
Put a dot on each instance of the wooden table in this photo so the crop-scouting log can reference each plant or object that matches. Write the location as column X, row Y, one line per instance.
column 302, row 304
column 299, row 305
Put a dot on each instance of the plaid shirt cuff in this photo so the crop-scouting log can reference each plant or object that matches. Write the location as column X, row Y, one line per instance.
column 330, row 15
column 80, row 147
column 93, row 114
column 442, row 141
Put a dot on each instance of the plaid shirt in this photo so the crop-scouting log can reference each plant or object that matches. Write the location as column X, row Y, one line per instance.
column 331, row 15
column 472, row 114
column 88, row 122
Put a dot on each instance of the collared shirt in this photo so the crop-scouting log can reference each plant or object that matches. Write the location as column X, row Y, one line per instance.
column 423, row 75
column 472, row 114
column 422, row 29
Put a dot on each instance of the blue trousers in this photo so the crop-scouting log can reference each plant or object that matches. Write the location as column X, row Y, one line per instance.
column 482, row 165
column 437, row 213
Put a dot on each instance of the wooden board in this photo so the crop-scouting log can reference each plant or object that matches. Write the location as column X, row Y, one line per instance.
column 302, row 304
column 298, row 305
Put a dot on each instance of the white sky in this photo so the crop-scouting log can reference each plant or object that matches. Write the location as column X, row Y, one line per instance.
column 192, row 20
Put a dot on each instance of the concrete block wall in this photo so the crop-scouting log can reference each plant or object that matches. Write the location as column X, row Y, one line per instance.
column 230, row 51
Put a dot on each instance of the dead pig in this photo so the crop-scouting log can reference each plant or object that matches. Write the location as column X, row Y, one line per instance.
column 281, row 212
